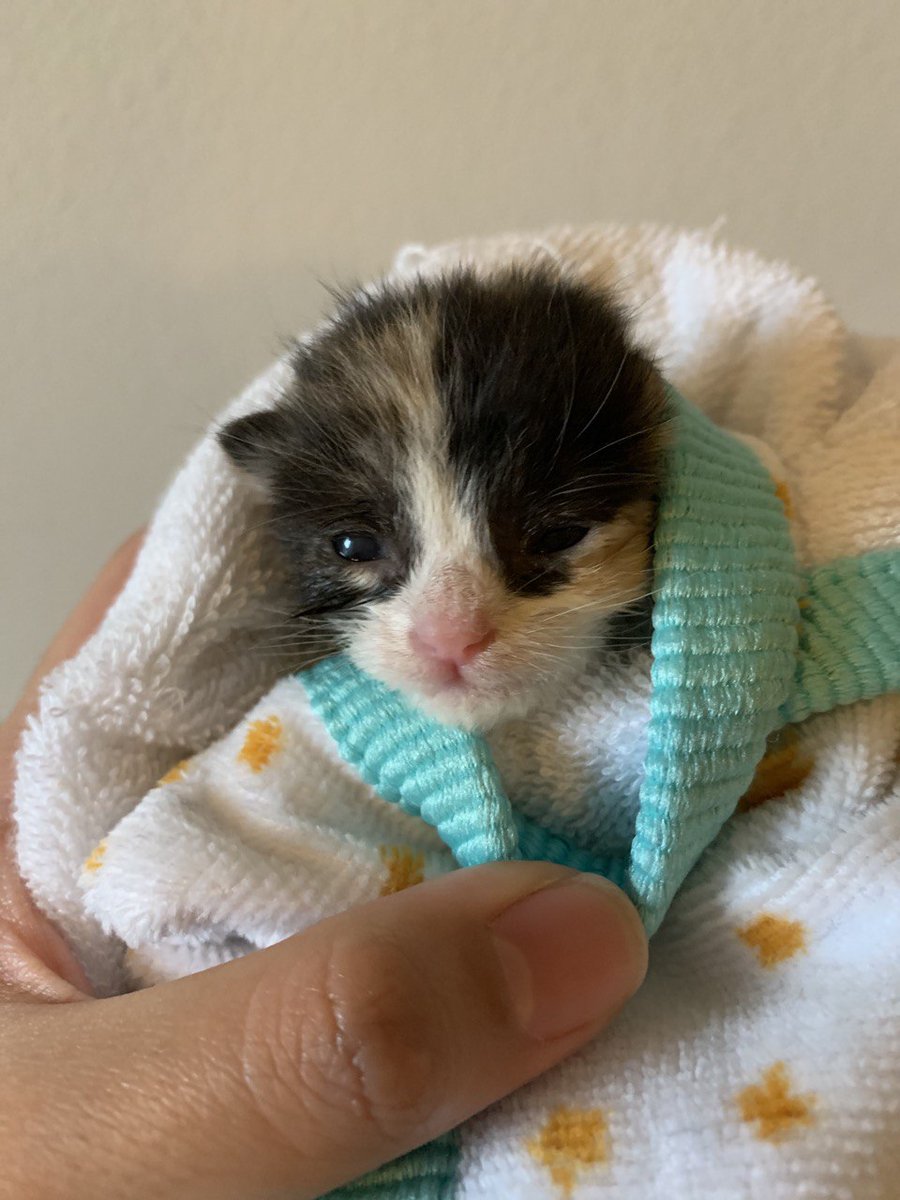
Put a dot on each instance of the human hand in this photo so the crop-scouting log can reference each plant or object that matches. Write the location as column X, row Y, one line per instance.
column 296, row 1068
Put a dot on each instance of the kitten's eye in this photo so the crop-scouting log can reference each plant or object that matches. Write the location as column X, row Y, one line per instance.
column 357, row 547
column 563, row 537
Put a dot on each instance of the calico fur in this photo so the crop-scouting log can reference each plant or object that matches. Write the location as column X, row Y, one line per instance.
column 470, row 425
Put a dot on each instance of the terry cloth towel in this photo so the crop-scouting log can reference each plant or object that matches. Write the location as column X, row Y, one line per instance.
column 763, row 1050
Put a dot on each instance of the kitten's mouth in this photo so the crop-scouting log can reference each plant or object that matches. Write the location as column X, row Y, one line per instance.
column 474, row 700
column 473, row 694
column 500, row 683
column 440, row 678
column 489, row 674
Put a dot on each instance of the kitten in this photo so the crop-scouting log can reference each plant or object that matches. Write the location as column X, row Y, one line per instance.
column 463, row 474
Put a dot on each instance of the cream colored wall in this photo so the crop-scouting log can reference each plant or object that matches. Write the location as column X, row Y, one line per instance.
column 177, row 173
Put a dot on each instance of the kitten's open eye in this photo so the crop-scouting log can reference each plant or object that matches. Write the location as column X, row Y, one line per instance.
column 559, row 538
column 357, row 547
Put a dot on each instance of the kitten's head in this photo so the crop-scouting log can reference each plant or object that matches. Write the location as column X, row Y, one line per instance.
column 462, row 474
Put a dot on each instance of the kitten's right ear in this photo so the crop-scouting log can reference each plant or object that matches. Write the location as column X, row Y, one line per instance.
column 253, row 442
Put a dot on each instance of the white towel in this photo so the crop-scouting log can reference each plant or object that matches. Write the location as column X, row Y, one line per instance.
column 761, row 1057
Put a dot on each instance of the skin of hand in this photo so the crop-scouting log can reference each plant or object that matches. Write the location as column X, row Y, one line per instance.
column 297, row 1068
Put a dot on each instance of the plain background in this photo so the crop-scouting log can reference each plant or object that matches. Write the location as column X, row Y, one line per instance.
column 177, row 174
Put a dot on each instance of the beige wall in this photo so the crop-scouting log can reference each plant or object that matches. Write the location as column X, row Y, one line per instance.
column 177, row 173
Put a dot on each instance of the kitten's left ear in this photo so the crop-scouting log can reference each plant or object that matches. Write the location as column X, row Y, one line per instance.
column 254, row 442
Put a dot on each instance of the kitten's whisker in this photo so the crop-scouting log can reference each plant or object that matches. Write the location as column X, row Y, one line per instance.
column 609, row 391
column 628, row 436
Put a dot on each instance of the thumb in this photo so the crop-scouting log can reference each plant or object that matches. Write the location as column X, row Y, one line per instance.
column 297, row 1068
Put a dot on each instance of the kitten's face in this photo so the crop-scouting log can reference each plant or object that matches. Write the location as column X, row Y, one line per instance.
column 462, row 475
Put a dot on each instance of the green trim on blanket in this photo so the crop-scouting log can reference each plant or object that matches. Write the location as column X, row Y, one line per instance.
column 724, row 649
column 849, row 634
column 428, row 1173
column 443, row 775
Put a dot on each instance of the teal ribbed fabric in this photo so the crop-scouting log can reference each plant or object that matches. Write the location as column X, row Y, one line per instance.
column 443, row 775
column 724, row 649
column 849, row 634
column 743, row 643
column 428, row 1173
column 541, row 845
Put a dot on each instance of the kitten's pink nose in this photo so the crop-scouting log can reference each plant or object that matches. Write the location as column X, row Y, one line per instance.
column 451, row 639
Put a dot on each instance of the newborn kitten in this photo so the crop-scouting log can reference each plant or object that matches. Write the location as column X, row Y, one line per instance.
column 463, row 475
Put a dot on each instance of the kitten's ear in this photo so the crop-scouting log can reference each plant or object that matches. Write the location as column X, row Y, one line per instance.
column 253, row 442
